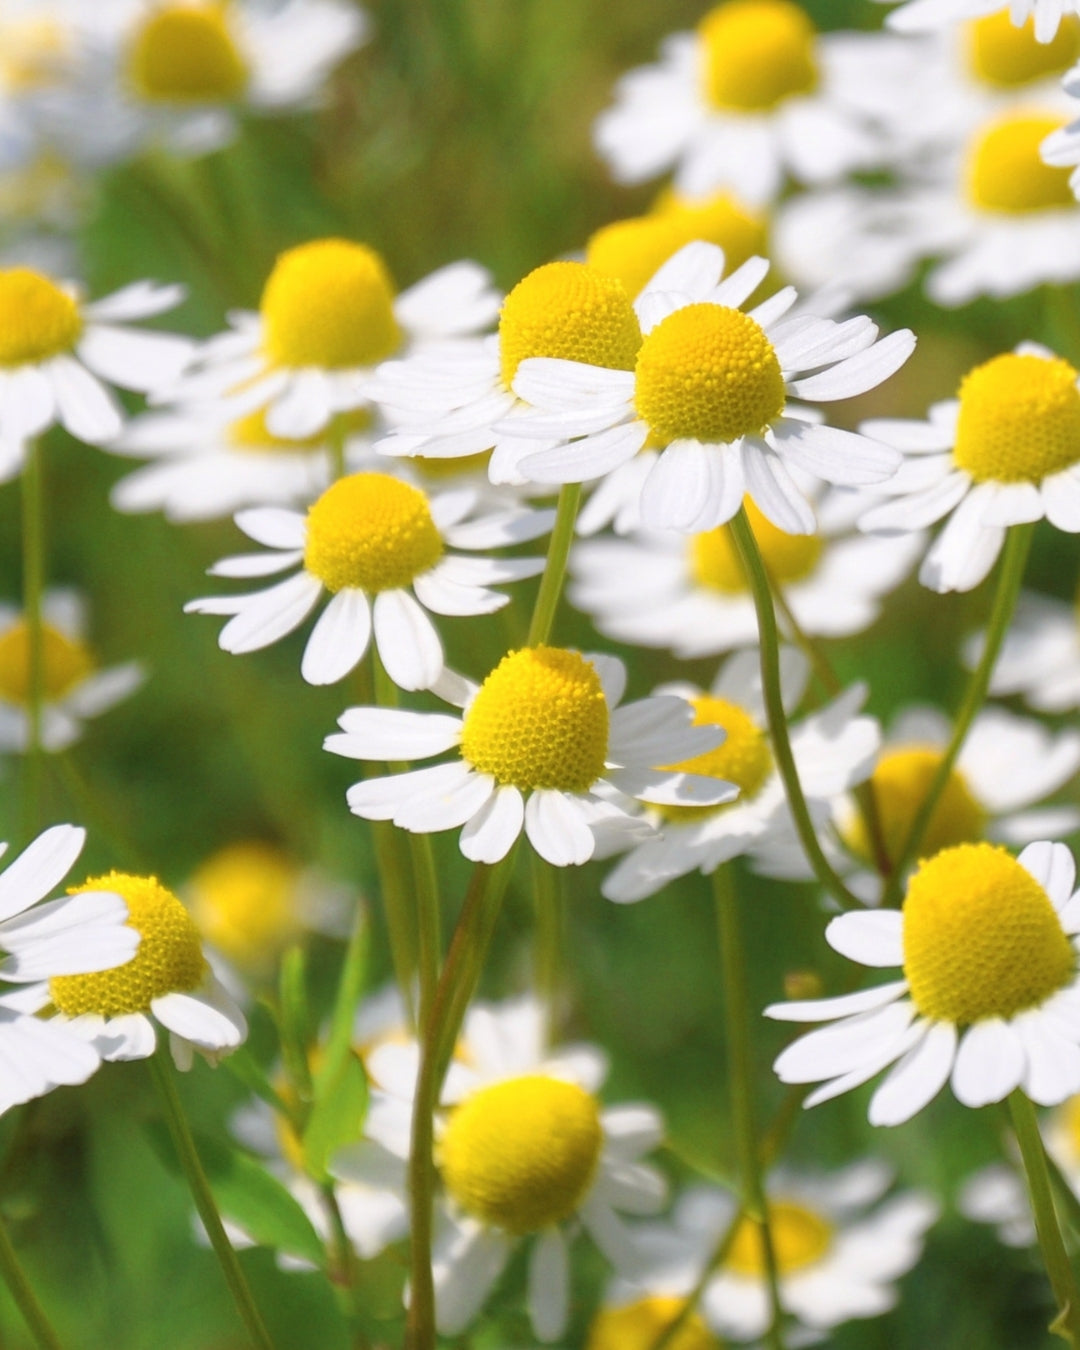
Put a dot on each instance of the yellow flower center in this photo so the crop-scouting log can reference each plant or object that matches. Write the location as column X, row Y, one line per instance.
column 901, row 781
column 638, row 1326
column 715, row 565
column 184, row 53
column 251, row 433
column 707, row 373
column 756, row 54
column 800, row 1236
column 329, row 303
column 743, row 758
column 243, row 899
column 37, row 318
column 1069, row 1117
column 568, row 311
column 522, row 1154
column 371, row 532
column 1005, row 173
column 169, row 958
column 1005, row 56
column 33, row 53
column 65, row 662
column 1019, row 419
column 540, row 720
column 981, row 938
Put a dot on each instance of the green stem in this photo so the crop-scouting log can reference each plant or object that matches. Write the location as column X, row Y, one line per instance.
column 23, row 1295
column 1013, row 561
column 162, row 1072
column 33, row 554
column 1058, row 1268
column 344, row 1274
column 562, row 536
column 548, row 892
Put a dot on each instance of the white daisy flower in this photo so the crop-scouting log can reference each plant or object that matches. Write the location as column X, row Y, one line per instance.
column 1006, row 451
column 914, row 16
column 1040, row 657
column 1062, row 147
column 997, row 1194
column 328, row 316
column 541, row 744
column 833, row 749
column 378, row 546
column 710, row 388
column 40, row 49
column 989, row 998
column 74, row 687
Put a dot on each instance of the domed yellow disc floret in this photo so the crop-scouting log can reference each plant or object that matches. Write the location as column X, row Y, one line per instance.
column 244, row 901
column 707, row 373
column 37, row 318
column 568, row 311
column 789, row 557
column 169, row 958
column 1004, row 55
column 981, row 938
column 1019, row 419
column 638, row 1326
column 371, row 532
column 756, row 54
column 522, row 1154
column 800, row 1238
column 329, row 303
column 540, row 720
column 1005, row 172
column 185, row 53
column 743, row 758
column 65, row 662
column 901, row 781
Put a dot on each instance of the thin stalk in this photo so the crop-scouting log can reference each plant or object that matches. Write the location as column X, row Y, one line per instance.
column 562, row 536
column 162, row 1072
column 1058, row 1267
column 1010, row 576
column 343, row 1276
column 25, row 1299
column 548, row 894
column 33, row 579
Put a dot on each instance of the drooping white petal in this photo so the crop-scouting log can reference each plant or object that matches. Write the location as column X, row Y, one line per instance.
column 268, row 615
column 409, row 647
column 1053, row 867
column 692, row 487
column 210, row 1023
column 917, row 1078
column 339, row 639
column 557, row 829
column 273, row 526
column 873, row 938
column 42, row 865
column 549, row 1285
column 85, row 407
column 989, row 1063
column 861, row 372
column 843, row 1046
column 134, row 360
column 491, row 832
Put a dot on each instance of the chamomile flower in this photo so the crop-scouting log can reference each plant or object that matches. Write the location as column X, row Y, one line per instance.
column 541, row 744
column 328, row 316
column 636, row 1321
column 378, row 546
column 710, row 389
column 915, row 16
column 1040, row 657
column 1007, row 450
column 74, row 687
column 989, row 998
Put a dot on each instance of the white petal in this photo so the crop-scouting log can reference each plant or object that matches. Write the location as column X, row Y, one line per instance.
column 1053, row 867
column 268, row 615
column 304, row 408
column 466, row 1262
column 557, row 829
column 843, row 1046
column 212, row 1025
column 84, row 405
column 842, row 457
column 917, row 1078
column 255, row 564
column 875, row 938
column 692, row 487
column 989, row 1063
column 861, row 372
column 393, row 734
column 133, row 360
column 592, row 457
column 42, row 865
column 489, row 835
column 774, row 490
column 826, row 1009
column 273, row 526
column 549, row 1286
column 408, row 644
column 339, row 639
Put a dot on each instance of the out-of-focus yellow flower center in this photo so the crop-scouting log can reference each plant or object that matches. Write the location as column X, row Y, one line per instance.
column 800, row 1238
column 522, row 1154
column 251, row 433
column 329, row 303
column 901, row 781
column 789, row 557
column 720, row 219
column 65, row 662
column 981, row 937
column 756, row 54
column 707, row 373
column 743, row 757
column 569, row 311
column 33, row 52
column 1004, row 55
column 37, row 318
column 435, row 469
column 638, row 1326
column 169, row 958
column 1005, row 173
column 243, row 899
column 371, row 532
column 540, row 720
column 1069, row 1118
column 184, row 53
column 1019, row 419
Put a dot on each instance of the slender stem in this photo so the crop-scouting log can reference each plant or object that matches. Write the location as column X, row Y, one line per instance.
column 344, row 1274
column 1058, row 1267
column 742, row 537
column 18, row 1287
column 33, row 578
column 562, row 536
column 1013, row 561
column 162, row 1072
column 548, row 893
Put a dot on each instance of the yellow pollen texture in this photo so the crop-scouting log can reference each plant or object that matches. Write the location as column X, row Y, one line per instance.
column 1005, row 172
column 715, row 565
column 756, row 53
column 186, row 54
column 1006, row 56
column 638, row 1326
column 800, row 1238
column 540, row 720
column 370, row 532
column 707, row 373
column 521, row 1154
column 243, row 899
column 569, row 311
column 329, row 303
column 743, row 758
column 1019, row 419
column 900, row 782
column 65, row 663
column 37, row 318
column 981, row 937
column 169, row 958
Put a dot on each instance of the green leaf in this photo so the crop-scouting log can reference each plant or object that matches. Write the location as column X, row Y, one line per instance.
column 341, row 1094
